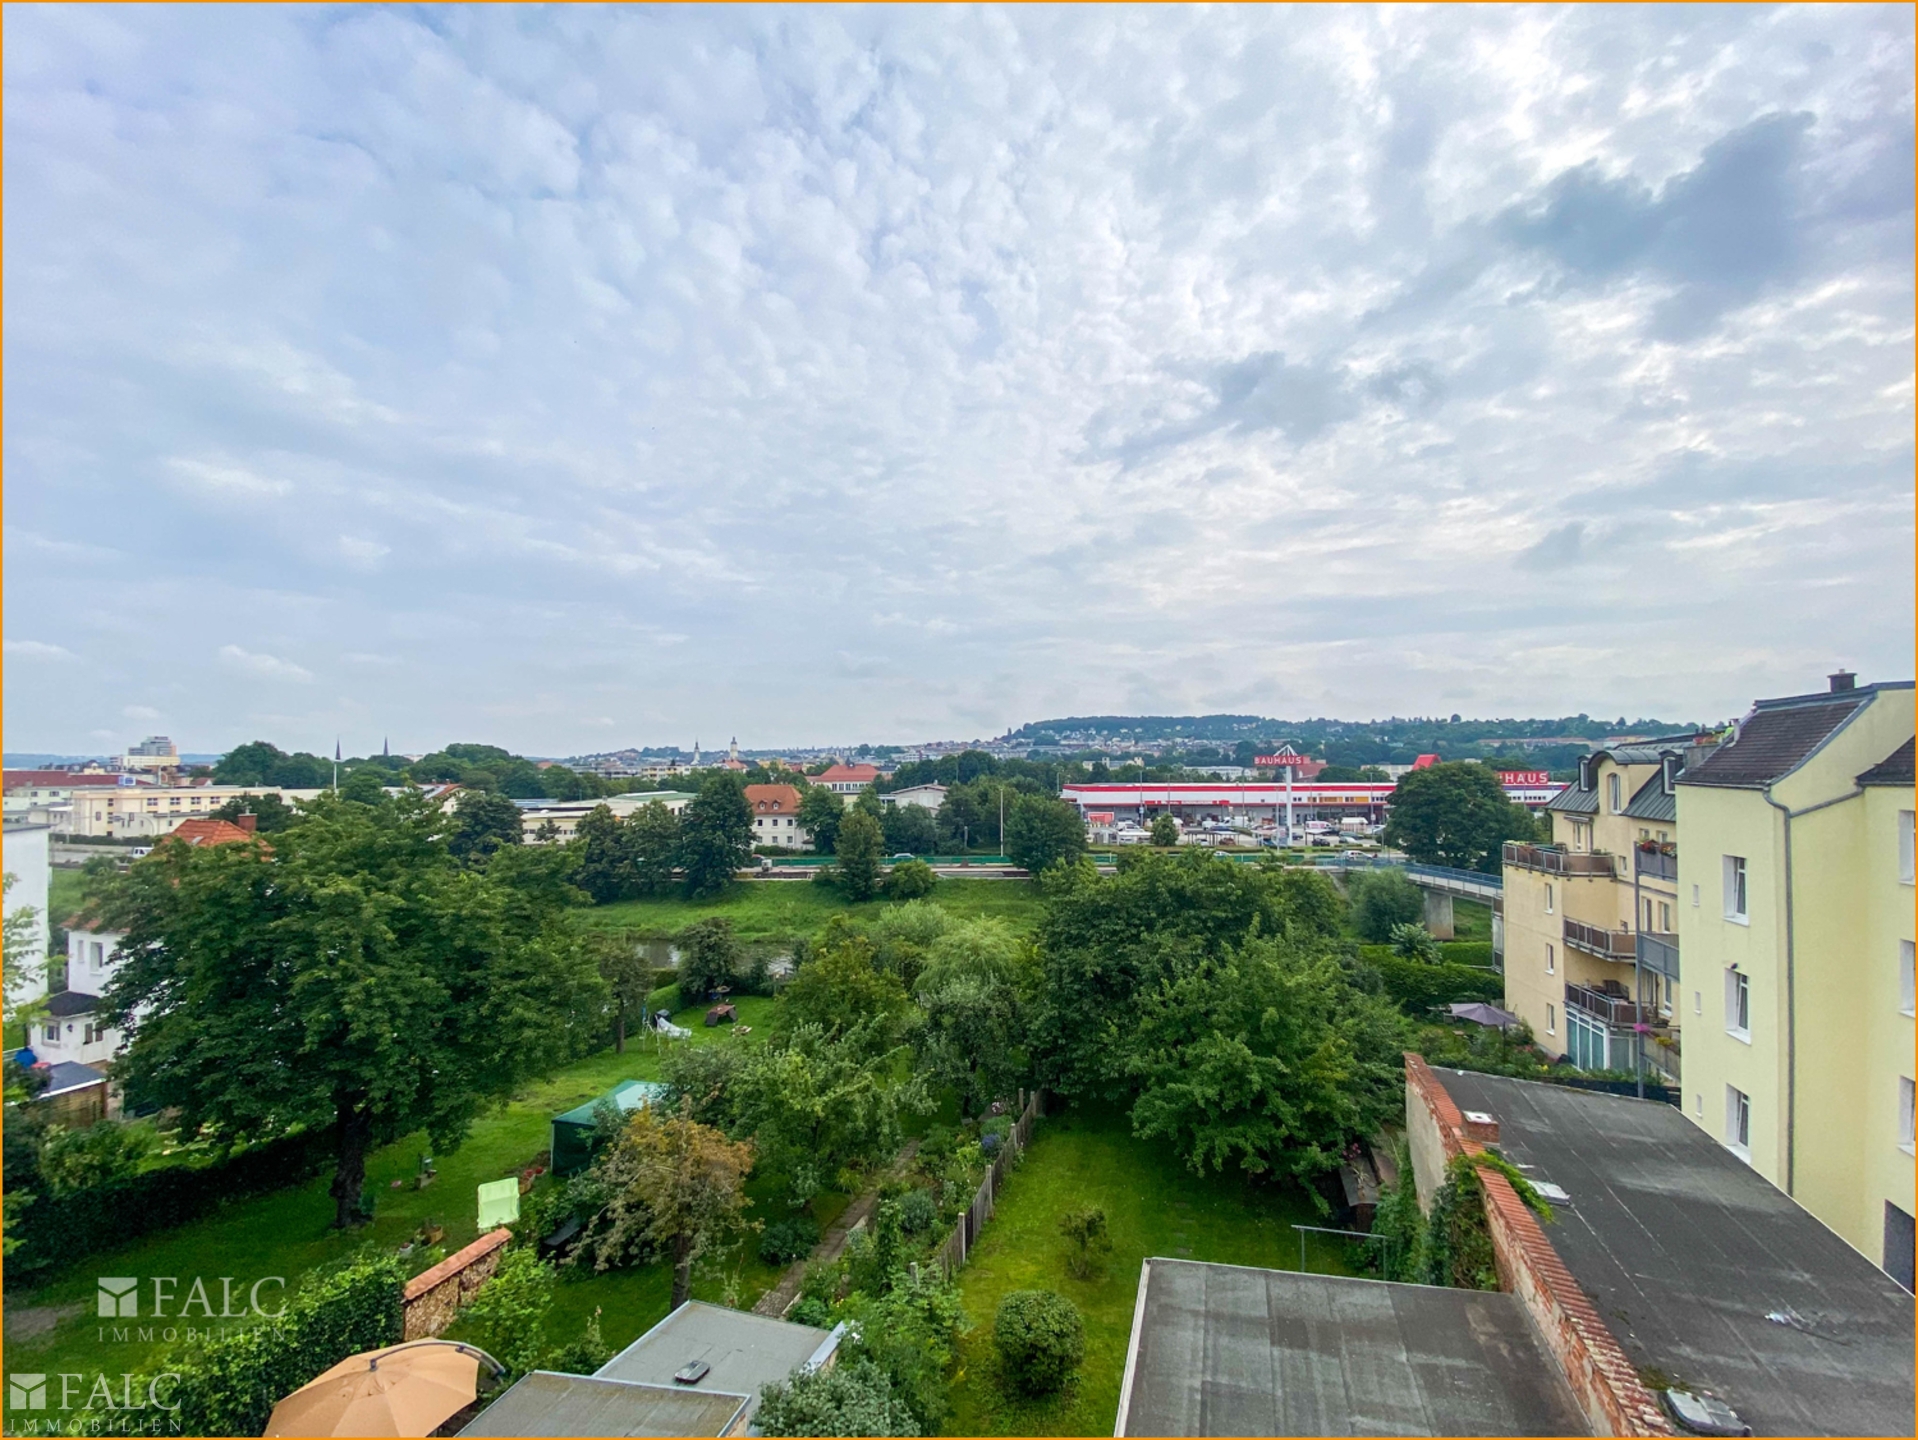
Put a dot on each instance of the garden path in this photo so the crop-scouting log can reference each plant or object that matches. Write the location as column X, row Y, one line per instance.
column 783, row 1296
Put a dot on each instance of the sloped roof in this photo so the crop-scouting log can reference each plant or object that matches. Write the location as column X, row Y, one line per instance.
column 204, row 831
column 1574, row 801
column 71, row 1002
column 1776, row 738
column 847, row 772
column 1894, row 769
column 773, row 799
column 1650, row 802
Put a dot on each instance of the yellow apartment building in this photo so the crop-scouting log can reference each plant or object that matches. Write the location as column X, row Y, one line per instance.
column 1591, row 950
column 1796, row 925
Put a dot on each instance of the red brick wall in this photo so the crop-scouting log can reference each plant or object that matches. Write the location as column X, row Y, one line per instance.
column 434, row 1296
column 1602, row 1380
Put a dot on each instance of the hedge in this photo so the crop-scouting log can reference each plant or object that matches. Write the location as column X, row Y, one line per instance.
column 229, row 1386
column 55, row 1233
column 1417, row 987
column 1467, row 952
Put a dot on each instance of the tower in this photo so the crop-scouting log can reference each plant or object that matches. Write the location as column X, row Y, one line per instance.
column 732, row 750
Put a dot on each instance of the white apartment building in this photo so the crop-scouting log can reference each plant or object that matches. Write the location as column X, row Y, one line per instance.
column 146, row 812
column 564, row 815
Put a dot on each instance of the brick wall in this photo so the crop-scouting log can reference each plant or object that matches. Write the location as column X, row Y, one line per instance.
column 1602, row 1380
column 434, row 1296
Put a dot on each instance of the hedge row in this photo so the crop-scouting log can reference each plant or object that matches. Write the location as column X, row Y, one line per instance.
column 229, row 1386
column 1417, row 987
column 55, row 1233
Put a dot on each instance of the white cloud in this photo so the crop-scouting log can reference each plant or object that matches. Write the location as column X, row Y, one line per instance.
column 37, row 650
column 141, row 712
column 693, row 360
column 266, row 667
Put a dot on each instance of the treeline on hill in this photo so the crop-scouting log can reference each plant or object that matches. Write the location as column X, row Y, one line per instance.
column 477, row 767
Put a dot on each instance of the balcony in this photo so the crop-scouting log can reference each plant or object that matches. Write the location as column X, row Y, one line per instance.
column 1608, row 1006
column 1655, row 864
column 1558, row 862
column 1605, row 944
column 1660, row 953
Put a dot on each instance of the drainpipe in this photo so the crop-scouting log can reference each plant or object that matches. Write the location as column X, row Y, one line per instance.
column 1791, row 981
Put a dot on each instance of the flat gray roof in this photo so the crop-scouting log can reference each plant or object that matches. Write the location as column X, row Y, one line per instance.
column 1686, row 1251
column 746, row 1351
column 1227, row 1350
column 548, row 1403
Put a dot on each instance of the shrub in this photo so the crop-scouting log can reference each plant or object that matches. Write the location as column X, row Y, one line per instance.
column 1417, row 987
column 1086, row 1229
column 917, row 1211
column 73, row 1160
column 710, row 955
column 508, row 1316
column 584, row 1355
column 854, row 1399
column 1415, row 942
column 1040, row 1340
column 911, row 880
column 1382, row 899
column 811, row 1310
column 784, row 1241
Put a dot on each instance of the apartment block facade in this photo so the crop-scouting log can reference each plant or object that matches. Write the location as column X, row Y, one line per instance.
column 1796, row 924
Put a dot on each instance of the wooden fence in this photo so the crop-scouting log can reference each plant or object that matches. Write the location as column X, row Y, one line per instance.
column 951, row 1255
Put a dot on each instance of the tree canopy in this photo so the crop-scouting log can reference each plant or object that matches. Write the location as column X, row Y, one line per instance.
column 1455, row 814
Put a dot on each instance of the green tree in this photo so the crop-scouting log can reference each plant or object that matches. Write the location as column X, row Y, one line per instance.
column 909, row 830
column 1041, row 832
column 710, row 955
column 841, row 989
column 911, row 880
column 1040, row 1340
column 715, row 836
column 1382, row 900
column 1455, row 814
column 270, row 813
column 973, row 1037
column 481, row 825
column 606, row 869
column 653, row 843
column 628, row 975
column 507, row 1317
column 860, row 846
column 673, row 1183
column 354, row 976
column 1415, row 942
column 820, row 811
column 365, row 785
column 853, row 1399
column 1165, row 831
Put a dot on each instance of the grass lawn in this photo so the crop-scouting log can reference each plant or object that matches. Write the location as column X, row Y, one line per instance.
column 1154, row 1206
column 63, row 894
column 287, row 1233
column 1471, row 920
column 787, row 909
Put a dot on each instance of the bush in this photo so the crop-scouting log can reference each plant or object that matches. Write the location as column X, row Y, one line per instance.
column 1040, row 1340
column 1086, row 1229
column 1381, row 899
column 785, row 1241
column 911, row 880
column 1417, row 987
column 1466, row 952
column 917, row 1211
column 74, row 1160
column 710, row 955
column 811, row 1310
column 584, row 1355
column 229, row 1386
column 508, row 1316
column 854, row 1399
column 1415, row 942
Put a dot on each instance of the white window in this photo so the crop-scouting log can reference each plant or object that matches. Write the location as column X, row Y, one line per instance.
column 1738, row 1121
column 1551, row 1020
column 1907, row 846
column 1551, row 898
column 1664, row 917
column 1907, row 978
column 1694, row 897
column 1551, row 961
column 53, row 1034
column 1907, row 1113
column 96, row 955
column 1698, row 1103
column 1735, row 895
column 1738, row 1005
column 1614, row 791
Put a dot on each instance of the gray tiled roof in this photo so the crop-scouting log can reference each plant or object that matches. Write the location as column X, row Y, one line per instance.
column 1894, row 769
column 1574, row 801
column 1650, row 802
column 1776, row 738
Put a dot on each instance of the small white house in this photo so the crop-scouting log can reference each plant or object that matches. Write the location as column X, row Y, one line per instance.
column 28, row 864
column 926, row 797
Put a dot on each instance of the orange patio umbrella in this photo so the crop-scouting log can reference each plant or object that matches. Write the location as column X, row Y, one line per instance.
column 408, row 1389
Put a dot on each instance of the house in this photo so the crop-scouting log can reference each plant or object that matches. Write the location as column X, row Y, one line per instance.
column 926, row 797
column 699, row 1371
column 1590, row 921
column 150, row 811
column 27, row 863
column 847, row 779
column 775, row 811
column 564, row 815
column 1795, row 888
column 208, row 831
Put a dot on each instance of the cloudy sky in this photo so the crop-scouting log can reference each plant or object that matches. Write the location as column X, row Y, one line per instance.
column 576, row 378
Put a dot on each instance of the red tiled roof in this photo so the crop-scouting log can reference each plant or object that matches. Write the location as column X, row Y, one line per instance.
column 862, row 773
column 772, row 799
column 54, row 779
column 206, row 831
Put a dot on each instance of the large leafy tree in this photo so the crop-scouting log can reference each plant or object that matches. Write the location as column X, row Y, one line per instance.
column 270, row 813
column 481, row 824
column 715, row 836
column 1266, row 1059
column 606, row 869
column 1455, row 813
column 973, row 1034
column 909, row 829
column 352, row 975
column 673, row 1183
column 1042, row 832
column 653, row 843
column 842, row 989
column 628, row 975
column 820, row 811
column 861, row 846
column 260, row 762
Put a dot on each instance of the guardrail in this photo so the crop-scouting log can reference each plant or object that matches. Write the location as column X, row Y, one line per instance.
column 1601, row 1005
column 1660, row 953
column 1655, row 865
column 1558, row 862
column 1595, row 940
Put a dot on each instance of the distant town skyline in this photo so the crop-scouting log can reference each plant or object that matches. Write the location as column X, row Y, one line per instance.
column 557, row 377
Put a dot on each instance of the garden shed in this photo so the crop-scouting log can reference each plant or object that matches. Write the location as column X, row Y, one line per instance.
column 573, row 1132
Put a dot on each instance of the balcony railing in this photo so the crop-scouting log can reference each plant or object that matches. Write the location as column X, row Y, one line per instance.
column 1605, row 944
column 1660, row 953
column 1558, row 862
column 1608, row 1007
column 1655, row 865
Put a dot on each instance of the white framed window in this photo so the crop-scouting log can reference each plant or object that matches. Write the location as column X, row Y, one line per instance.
column 1664, row 917
column 1551, row 959
column 1738, row 1005
column 1694, row 897
column 1551, row 1019
column 1698, row 1103
column 1738, row 1121
column 1736, row 897
column 1907, row 847
column 1907, row 1114
column 1615, row 791
column 1551, row 897
column 1907, row 978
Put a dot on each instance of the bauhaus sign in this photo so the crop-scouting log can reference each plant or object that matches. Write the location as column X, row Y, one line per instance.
column 1524, row 777
column 1288, row 758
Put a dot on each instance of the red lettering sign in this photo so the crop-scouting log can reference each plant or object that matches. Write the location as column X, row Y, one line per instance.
column 1525, row 777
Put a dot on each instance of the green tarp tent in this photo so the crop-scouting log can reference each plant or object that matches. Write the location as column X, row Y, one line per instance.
column 573, row 1131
